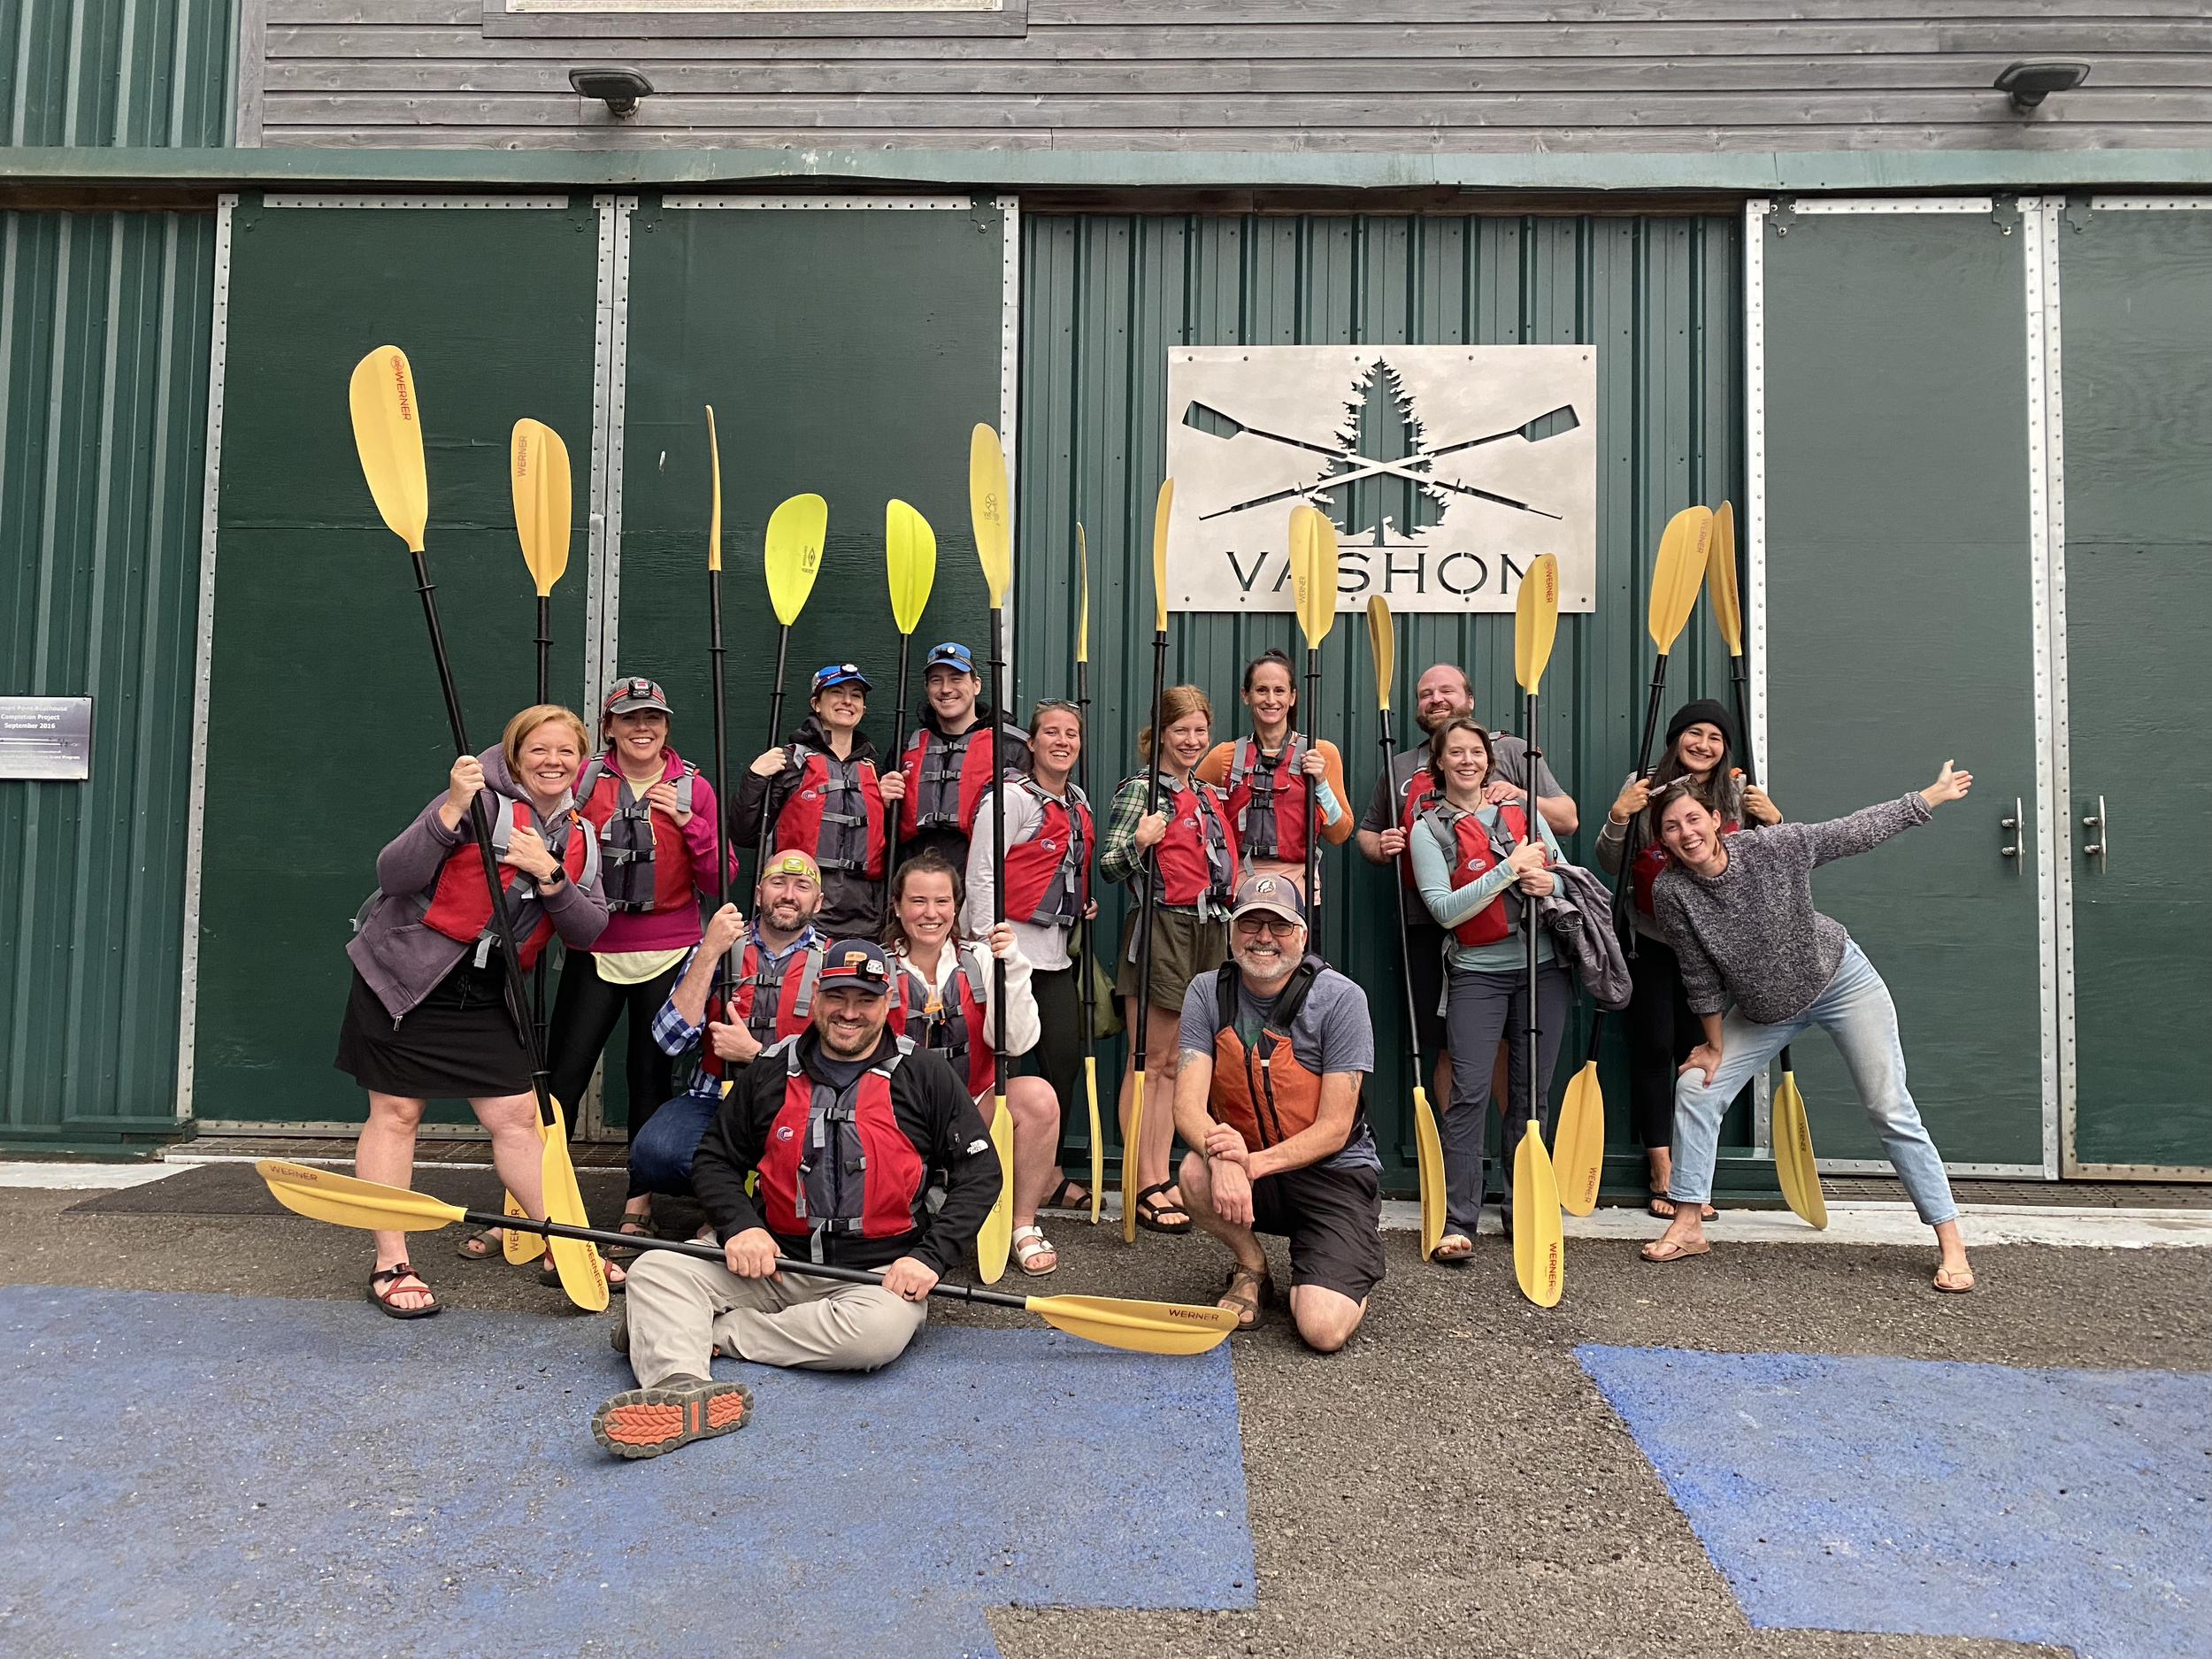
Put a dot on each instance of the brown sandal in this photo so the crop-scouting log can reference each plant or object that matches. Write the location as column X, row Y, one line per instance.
column 1947, row 1281
column 1673, row 1250
column 384, row 1285
column 1248, row 1293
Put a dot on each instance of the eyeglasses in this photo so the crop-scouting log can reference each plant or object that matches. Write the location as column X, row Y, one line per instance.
column 1275, row 925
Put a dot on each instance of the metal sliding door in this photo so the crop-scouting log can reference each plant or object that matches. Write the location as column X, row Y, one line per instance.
column 1900, row 544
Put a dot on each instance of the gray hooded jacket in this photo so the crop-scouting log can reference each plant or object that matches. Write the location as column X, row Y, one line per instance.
column 401, row 958
column 1579, row 910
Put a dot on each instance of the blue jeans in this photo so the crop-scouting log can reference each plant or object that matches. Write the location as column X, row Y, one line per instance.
column 660, row 1156
column 1857, row 1014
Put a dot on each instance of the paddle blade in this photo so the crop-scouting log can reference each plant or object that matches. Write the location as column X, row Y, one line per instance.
column 1793, row 1166
column 1539, row 1245
column 986, row 509
column 1535, row 621
column 1083, row 650
column 1382, row 645
column 1129, row 1160
column 714, row 515
column 387, row 435
column 520, row 1247
column 1302, row 586
column 346, row 1201
column 1677, row 573
column 1098, row 1145
column 794, row 553
column 1581, row 1137
column 996, row 1237
column 1429, row 1146
column 1325, row 579
column 1159, row 555
column 909, row 559
column 583, row 1275
column 1720, row 579
column 538, row 473
column 1143, row 1327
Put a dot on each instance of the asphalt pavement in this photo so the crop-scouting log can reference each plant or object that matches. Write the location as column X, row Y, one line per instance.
column 1453, row 1482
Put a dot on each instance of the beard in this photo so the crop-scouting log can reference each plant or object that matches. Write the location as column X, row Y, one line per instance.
column 846, row 1048
column 1268, row 965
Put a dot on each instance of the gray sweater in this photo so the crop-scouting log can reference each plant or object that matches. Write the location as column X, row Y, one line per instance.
column 1751, row 933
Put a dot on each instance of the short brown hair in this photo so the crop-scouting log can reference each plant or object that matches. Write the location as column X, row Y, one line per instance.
column 535, row 716
column 1462, row 723
column 1175, row 703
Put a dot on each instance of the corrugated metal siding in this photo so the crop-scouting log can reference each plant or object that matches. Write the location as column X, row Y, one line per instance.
column 1105, row 297
column 116, row 71
column 103, row 353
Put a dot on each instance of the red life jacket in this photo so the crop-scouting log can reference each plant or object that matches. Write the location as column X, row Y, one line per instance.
column 953, row 1026
column 1421, row 794
column 1466, row 844
column 834, row 814
column 836, row 1161
column 783, row 1012
column 945, row 778
column 1198, row 861
column 459, row 905
column 1048, row 871
column 1652, row 860
column 1267, row 800
column 647, row 860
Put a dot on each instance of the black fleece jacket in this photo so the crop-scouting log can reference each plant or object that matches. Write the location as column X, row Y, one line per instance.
column 933, row 1111
column 852, row 907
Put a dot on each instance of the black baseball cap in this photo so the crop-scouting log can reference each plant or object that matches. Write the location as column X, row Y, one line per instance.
column 858, row 963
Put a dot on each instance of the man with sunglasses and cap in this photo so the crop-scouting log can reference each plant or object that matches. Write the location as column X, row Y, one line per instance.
column 947, row 764
column 838, row 1129
column 1276, row 1047
column 824, row 797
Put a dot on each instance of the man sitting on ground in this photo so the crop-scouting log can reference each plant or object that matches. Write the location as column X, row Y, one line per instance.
column 1275, row 1048
column 842, row 1125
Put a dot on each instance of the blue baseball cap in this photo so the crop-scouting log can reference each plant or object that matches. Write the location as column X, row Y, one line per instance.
column 839, row 674
column 856, row 963
column 951, row 654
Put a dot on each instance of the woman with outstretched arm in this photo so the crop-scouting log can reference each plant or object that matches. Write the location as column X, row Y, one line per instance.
column 1738, row 910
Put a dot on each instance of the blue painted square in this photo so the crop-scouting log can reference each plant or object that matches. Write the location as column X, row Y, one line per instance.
column 1933, row 1498
column 198, row 1475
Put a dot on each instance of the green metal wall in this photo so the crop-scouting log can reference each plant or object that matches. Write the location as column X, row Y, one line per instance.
column 103, row 356
column 1105, row 297
column 116, row 71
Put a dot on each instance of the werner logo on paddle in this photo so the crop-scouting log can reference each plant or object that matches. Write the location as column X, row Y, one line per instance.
column 1446, row 470
column 398, row 366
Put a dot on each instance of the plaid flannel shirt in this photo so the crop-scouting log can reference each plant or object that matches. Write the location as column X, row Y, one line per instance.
column 676, row 1035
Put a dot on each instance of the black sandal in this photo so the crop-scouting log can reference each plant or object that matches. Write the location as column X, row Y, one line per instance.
column 480, row 1247
column 1059, row 1199
column 1149, row 1213
column 389, row 1278
column 638, row 1226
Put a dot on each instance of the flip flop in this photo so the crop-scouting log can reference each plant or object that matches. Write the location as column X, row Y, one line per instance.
column 1454, row 1258
column 1953, row 1288
column 1673, row 1250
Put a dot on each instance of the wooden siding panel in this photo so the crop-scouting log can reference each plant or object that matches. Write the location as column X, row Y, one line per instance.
column 1273, row 75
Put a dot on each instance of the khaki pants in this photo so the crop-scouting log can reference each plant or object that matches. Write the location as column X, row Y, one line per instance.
column 679, row 1311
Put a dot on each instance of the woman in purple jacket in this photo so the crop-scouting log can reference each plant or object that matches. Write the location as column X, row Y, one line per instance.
column 430, row 1016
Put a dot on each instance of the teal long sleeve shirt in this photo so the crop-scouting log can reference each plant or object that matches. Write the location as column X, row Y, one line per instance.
column 1450, row 905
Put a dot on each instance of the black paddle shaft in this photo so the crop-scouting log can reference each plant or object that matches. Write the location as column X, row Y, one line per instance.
column 1142, row 1015
column 545, row 695
column 713, row 1253
column 1313, row 809
column 1398, row 891
column 502, row 928
column 1085, row 977
column 998, row 854
column 1737, row 678
column 1621, row 880
column 1535, row 829
column 775, row 739
column 897, row 811
column 722, row 800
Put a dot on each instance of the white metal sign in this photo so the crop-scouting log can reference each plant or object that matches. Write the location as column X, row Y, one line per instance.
column 1446, row 469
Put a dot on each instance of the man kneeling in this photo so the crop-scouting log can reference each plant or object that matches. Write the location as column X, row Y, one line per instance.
column 1274, row 1047
column 842, row 1126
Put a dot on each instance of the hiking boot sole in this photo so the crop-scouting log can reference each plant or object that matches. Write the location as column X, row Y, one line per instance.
column 646, row 1422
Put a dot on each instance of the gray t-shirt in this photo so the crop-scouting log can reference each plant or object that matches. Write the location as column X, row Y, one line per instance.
column 1509, row 753
column 1332, row 1033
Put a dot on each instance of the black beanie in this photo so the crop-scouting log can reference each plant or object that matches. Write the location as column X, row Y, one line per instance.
column 1704, row 711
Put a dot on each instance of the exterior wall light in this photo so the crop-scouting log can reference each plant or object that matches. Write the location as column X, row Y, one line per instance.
column 2027, row 83
column 616, row 85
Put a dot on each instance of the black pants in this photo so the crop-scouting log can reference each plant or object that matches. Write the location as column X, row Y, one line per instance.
column 1661, row 1031
column 1058, row 1056
column 585, row 1014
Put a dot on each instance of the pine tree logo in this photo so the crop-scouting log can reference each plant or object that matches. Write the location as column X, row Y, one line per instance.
column 1381, row 425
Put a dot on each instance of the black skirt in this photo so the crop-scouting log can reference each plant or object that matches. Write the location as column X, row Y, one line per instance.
column 457, row 1043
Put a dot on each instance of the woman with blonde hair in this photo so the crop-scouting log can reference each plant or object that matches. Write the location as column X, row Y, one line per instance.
column 431, row 1015
column 1189, row 833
